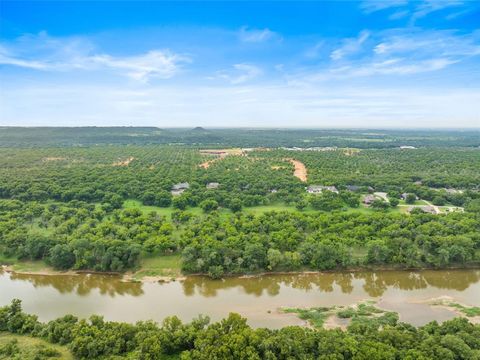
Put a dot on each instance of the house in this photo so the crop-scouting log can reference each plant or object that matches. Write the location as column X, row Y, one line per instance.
column 274, row 191
column 213, row 185
column 318, row 189
column 404, row 147
column 178, row 189
column 418, row 182
column 453, row 191
column 369, row 199
column 426, row 209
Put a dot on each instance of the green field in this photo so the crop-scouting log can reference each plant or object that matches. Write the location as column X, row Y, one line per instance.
column 165, row 266
column 19, row 347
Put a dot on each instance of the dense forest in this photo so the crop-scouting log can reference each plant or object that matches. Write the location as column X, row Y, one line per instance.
column 233, row 339
column 65, row 201
column 380, row 138
column 79, row 235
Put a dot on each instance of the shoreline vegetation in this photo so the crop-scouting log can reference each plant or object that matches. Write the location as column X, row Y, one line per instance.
column 178, row 275
column 359, row 331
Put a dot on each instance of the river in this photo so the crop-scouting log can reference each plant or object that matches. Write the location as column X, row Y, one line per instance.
column 257, row 298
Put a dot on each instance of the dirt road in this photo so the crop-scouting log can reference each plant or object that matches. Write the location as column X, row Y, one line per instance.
column 300, row 170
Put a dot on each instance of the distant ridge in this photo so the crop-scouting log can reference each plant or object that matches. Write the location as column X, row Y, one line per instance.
column 198, row 128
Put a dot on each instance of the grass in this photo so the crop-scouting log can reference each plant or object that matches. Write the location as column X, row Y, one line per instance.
column 417, row 202
column 26, row 347
column 7, row 260
column 467, row 310
column 315, row 316
column 364, row 312
column 31, row 266
column 166, row 265
column 24, row 265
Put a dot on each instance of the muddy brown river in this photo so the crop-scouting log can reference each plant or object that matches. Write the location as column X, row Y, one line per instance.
column 257, row 298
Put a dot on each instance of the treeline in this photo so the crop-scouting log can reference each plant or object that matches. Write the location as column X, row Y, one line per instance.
column 79, row 235
column 233, row 339
column 113, row 174
column 87, row 136
column 279, row 241
column 390, row 169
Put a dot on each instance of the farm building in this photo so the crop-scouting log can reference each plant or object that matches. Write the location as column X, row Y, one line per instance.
column 178, row 189
column 318, row 189
column 213, row 185
column 426, row 209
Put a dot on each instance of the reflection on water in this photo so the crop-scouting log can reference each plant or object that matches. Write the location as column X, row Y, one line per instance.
column 257, row 297
column 82, row 285
column 374, row 283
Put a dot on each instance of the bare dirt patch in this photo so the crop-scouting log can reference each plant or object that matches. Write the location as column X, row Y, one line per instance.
column 449, row 303
column 219, row 154
column 300, row 169
column 52, row 158
column 124, row 162
column 350, row 152
column 334, row 322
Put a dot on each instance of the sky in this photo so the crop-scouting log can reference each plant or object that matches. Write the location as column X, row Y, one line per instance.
column 313, row 64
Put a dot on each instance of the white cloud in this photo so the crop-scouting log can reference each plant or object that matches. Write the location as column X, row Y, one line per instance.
column 429, row 6
column 417, row 9
column 350, row 46
column 154, row 64
column 370, row 6
column 256, row 35
column 429, row 43
column 240, row 73
column 276, row 106
column 41, row 52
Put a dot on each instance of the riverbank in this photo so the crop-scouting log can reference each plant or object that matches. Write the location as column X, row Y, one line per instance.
column 168, row 268
column 258, row 298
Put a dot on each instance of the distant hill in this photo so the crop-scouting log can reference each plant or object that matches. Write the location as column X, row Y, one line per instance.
column 198, row 128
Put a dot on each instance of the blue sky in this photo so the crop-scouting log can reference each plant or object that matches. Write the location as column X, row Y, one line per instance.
column 368, row 63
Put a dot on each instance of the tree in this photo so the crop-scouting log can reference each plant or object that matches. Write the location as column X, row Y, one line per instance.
column 163, row 199
column 379, row 205
column 301, row 204
column 235, row 205
column 394, row 202
column 61, row 257
column 410, row 198
column 209, row 205
column 439, row 201
column 148, row 198
column 180, row 202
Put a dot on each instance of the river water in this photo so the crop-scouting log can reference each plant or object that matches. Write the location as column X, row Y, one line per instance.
column 257, row 298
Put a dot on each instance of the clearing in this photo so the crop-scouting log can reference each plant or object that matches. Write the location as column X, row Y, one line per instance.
column 220, row 154
column 300, row 169
column 124, row 162
column 27, row 347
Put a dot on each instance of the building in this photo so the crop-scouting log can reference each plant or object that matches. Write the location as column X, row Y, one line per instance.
column 178, row 189
column 407, row 147
column 426, row 209
column 369, row 199
column 453, row 191
column 318, row 189
column 213, row 185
